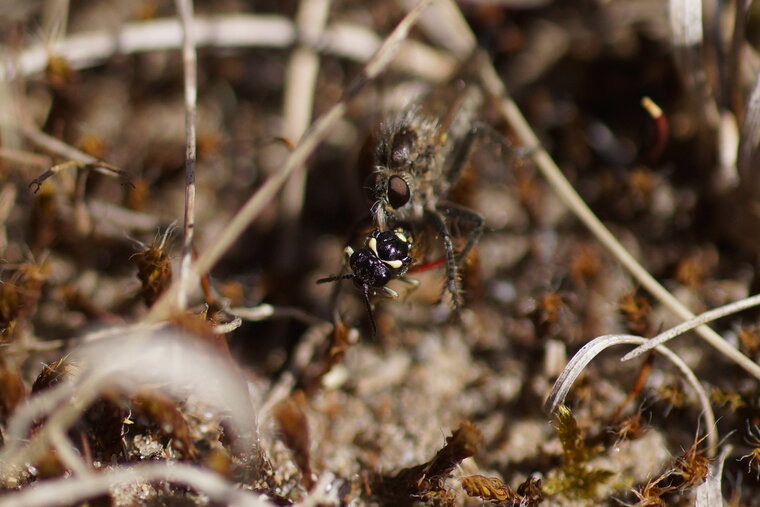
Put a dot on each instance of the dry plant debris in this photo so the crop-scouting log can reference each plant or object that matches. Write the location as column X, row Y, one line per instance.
column 205, row 366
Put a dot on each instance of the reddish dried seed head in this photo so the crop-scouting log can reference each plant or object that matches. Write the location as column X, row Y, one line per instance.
column 154, row 271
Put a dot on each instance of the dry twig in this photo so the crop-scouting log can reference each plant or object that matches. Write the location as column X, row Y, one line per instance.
column 189, row 60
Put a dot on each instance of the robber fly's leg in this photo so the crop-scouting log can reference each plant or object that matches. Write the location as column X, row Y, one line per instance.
column 411, row 282
column 455, row 212
column 439, row 224
column 480, row 130
column 462, row 153
column 387, row 291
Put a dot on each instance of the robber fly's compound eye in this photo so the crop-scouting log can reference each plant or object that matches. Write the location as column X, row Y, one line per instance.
column 398, row 192
column 371, row 185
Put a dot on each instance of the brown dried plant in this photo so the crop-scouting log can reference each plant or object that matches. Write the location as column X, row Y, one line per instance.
column 492, row 489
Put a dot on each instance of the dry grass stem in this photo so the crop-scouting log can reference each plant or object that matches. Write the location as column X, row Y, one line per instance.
column 228, row 327
column 693, row 323
column 687, row 37
column 14, row 458
column 36, row 407
column 67, row 453
column 583, row 357
column 731, row 83
column 686, row 23
column 189, row 62
column 7, row 200
column 445, row 24
column 728, row 151
column 56, row 146
column 225, row 31
column 24, row 157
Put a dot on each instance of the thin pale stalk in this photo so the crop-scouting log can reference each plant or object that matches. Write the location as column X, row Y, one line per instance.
column 703, row 318
column 189, row 60
column 7, row 201
column 345, row 40
column 60, row 420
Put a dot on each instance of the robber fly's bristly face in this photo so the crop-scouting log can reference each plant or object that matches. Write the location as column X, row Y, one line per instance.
column 411, row 170
column 406, row 156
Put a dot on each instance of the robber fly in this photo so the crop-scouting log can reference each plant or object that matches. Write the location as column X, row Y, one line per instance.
column 418, row 160
column 384, row 257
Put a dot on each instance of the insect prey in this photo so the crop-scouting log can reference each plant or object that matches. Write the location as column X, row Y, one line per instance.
column 384, row 257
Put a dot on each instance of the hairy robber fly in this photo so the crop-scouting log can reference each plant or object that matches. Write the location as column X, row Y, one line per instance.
column 384, row 257
column 418, row 160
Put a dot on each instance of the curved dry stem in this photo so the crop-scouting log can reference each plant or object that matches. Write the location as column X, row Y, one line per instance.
column 14, row 458
column 313, row 136
column 73, row 490
column 445, row 24
column 228, row 327
column 703, row 318
column 593, row 348
column 34, row 408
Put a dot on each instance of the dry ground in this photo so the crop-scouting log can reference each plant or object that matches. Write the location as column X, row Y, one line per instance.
column 264, row 391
